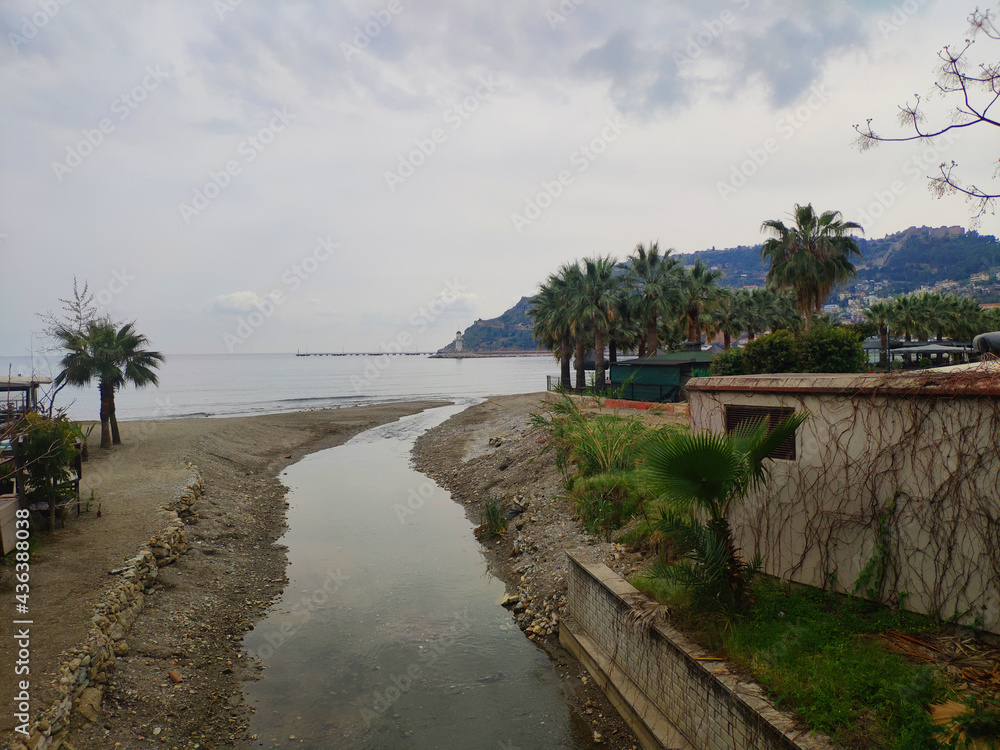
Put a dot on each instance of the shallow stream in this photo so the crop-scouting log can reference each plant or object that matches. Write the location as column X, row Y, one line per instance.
column 389, row 633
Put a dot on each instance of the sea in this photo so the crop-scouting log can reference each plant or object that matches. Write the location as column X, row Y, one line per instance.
column 219, row 385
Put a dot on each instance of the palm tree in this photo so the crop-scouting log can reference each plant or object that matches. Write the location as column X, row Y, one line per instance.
column 880, row 313
column 908, row 318
column 598, row 306
column 114, row 357
column 552, row 326
column 700, row 294
column 654, row 280
column 811, row 257
column 573, row 297
column 699, row 476
column 731, row 314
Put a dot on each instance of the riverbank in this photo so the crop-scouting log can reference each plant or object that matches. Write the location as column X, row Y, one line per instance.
column 490, row 450
column 194, row 617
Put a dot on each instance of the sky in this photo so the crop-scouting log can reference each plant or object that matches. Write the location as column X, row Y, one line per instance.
column 243, row 176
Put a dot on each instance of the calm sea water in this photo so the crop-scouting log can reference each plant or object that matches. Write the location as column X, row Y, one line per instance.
column 239, row 384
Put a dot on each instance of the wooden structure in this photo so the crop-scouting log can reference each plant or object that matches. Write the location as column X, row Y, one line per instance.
column 660, row 378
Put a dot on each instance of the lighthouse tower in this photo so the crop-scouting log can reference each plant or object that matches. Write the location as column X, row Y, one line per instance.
column 459, row 340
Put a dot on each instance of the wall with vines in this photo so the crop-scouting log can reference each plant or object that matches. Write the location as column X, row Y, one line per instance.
column 893, row 493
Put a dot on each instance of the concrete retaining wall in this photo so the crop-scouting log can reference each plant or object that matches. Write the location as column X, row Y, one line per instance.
column 671, row 692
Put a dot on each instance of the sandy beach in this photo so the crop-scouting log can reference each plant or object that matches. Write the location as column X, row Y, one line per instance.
column 196, row 614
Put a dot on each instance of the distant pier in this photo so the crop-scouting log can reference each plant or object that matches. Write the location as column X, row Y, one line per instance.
column 362, row 354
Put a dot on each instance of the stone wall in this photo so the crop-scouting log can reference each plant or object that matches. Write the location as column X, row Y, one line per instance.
column 673, row 693
column 84, row 669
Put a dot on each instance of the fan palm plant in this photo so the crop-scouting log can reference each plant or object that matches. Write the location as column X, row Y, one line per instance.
column 113, row 356
column 811, row 257
column 697, row 478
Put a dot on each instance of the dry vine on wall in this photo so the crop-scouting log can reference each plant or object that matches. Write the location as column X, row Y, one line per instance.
column 893, row 494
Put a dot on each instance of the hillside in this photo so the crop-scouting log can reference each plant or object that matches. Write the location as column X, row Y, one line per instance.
column 938, row 258
column 905, row 261
column 508, row 332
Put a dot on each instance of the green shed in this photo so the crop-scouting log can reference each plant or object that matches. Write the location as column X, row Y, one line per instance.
column 659, row 379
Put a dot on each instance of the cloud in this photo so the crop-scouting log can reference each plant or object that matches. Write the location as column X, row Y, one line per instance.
column 236, row 303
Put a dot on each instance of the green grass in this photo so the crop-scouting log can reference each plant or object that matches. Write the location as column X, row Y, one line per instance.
column 606, row 502
column 494, row 521
column 816, row 655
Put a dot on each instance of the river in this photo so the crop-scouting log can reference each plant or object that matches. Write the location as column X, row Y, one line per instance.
column 389, row 633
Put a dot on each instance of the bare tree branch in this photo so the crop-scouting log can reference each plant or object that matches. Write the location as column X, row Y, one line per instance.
column 978, row 88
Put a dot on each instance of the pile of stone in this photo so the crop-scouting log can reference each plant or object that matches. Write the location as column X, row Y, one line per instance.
column 84, row 669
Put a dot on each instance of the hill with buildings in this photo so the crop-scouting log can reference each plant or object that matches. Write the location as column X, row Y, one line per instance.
column 943, row 259
column 508, row 332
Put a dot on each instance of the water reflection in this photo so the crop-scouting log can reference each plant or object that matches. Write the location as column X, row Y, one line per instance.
column 388, row 634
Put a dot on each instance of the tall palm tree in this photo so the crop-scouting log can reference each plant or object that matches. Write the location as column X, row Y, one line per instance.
column 112, row 356
column 880, row 313
column 572, row 290
column 598, row 300
column 811, row 257
column 701, row 290
column 552, row 325
column 731, row 314
column 908, row 318
column 654, row 279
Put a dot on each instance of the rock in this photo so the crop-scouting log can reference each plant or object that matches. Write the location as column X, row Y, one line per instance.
column 120, row 648
column 89, row 704
column 510, row 600
column 514, row 510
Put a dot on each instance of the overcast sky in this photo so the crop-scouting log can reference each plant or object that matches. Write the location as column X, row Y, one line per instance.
column 261, row 177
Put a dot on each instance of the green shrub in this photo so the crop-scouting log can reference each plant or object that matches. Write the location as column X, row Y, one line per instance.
column 823, row 349
column 597, row 445
column 606, row 502
column 774, row 352
column 729, row 362
column 830, row 349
